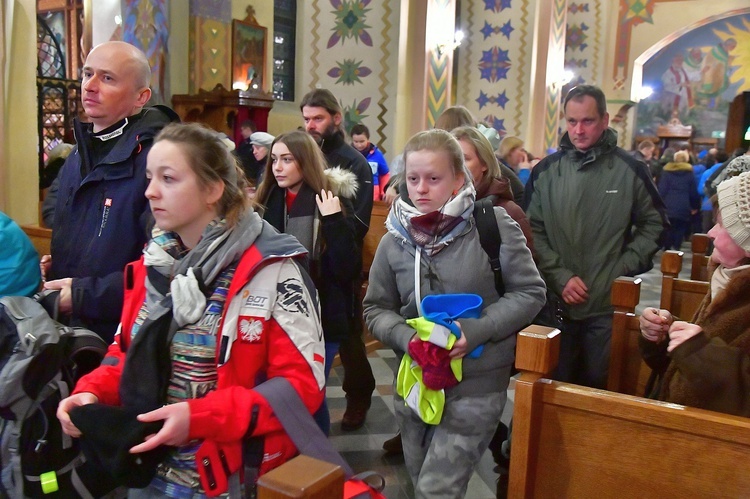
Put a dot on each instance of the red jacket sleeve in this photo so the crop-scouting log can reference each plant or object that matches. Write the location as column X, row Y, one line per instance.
column 104, row 381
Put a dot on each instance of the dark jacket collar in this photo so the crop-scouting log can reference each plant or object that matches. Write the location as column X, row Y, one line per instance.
column 606, row 144
column 332, row 143
column 142, row 127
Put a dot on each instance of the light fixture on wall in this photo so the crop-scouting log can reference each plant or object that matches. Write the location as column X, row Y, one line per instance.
column 645, row 92
column 449, row 45
column 560, row 80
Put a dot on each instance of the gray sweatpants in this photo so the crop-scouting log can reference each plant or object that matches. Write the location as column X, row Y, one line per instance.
column 441, row 458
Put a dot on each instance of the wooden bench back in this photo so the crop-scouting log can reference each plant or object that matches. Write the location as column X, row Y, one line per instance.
column 41, row 238
column 572, row 441
column 680, row 296
column 627, row 372
column 699, row 244
column 374, row 234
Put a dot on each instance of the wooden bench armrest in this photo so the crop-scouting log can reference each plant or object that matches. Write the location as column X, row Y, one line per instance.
column 302, row 477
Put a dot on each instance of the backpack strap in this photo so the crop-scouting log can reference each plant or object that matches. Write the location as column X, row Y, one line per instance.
column 298, row 423
column 489, row 237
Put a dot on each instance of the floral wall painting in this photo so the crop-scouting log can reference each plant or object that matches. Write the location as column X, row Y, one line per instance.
column 248, row 56
column 696, row 76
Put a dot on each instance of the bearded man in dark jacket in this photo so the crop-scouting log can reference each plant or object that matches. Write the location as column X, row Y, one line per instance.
column 323, row 121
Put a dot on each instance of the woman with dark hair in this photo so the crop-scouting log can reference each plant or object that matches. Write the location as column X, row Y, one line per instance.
column 191, row 345
column 301, row 197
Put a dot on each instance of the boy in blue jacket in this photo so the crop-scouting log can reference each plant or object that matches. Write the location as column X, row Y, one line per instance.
column 380, row 173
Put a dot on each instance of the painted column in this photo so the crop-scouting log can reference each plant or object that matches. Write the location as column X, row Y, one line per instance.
column 547, row 76
column 210, row 57
column 145, row 24
column 441, row 27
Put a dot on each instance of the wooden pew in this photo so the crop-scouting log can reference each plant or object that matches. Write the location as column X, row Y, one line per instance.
column 699, row 244
column 627, row 372
column 680, row 296
column 572, row 441
column 376, row 231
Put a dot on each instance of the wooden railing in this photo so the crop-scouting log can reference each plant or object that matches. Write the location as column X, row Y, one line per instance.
column 572, row 441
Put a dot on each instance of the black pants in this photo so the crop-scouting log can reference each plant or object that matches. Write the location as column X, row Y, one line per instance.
column 359, row 382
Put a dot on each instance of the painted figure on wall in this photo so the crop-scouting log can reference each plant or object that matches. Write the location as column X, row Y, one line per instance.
column 146, row 25
column 696, row 75
column 678, row 94
column 715, row 70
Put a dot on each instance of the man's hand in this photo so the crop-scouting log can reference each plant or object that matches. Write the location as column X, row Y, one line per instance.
column 67, row 404
column 175, row 430
column 328, row 204
column 65, row 303
column 575, row 291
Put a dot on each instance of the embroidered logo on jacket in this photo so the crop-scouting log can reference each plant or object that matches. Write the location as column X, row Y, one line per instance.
column 260, row 300
column 250, row 330
column 291, row 297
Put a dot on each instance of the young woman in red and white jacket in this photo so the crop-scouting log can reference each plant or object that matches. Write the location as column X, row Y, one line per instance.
column 242, row 308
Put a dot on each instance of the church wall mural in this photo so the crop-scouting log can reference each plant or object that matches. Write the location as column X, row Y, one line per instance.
column 696, row 76
column 351, row 49
column 494, row 62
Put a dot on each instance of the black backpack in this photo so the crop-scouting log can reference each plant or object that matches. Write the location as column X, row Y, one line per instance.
column 40, row 362
column 489, row 237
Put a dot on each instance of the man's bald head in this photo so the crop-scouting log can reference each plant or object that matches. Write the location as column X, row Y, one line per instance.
column 132, row 56
column 115, row 83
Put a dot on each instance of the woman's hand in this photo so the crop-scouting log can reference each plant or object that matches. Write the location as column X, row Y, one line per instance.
column 328, row 204
column 67, row 404
column 655, row 324
column 680, row 332
column 175, row 430
column 390, row 195
column 460, row 346
column 65, row 301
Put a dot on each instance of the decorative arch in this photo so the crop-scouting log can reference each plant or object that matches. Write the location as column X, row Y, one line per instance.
column 693, row 76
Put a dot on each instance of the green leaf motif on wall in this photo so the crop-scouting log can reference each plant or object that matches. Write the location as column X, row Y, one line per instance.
column 354, row 114
column 349, row 71
column 350, row 22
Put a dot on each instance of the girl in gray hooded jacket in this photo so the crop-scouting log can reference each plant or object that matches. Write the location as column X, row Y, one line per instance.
column 431, row 229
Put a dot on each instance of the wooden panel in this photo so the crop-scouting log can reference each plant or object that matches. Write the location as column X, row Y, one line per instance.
column 40, row 238
column 375, row 232
column 592, row 444
column 302, row 477
column 572, row 441
column 535, row 355
column 224, row 110
column 680, row 296
column 627, row 372
column 699, row 244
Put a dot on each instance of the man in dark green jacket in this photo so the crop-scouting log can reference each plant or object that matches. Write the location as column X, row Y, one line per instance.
column 596, row 215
